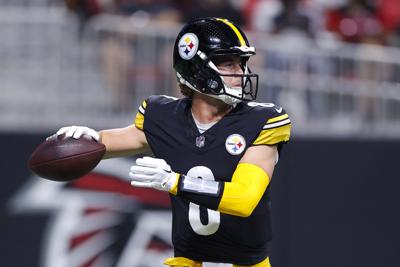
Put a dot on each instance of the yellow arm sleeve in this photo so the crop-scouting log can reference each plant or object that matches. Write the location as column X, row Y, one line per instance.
column 242, row 194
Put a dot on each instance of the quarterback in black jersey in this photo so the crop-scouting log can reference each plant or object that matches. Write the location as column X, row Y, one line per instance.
column 214, row 149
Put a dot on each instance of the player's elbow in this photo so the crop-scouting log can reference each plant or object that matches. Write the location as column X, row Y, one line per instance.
column 246, row 210
column 242, row 214
column 242, row 203
column 250, row 202
column 242, row 195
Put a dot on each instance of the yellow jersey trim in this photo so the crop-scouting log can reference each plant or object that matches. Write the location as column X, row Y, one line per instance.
column 279, row 118
column 139, row 119
column 274, row 135
column 235, row 29
column 242, row 194
column 264, row 263
column 182, row 262
column 185, row 262
column 144, row 104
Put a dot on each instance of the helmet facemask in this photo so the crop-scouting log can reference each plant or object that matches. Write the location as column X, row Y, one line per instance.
column 247, row 91
column 210, row 81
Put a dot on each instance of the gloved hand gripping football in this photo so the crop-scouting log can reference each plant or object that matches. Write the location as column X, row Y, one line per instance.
column 77, row 131
column 153, row 173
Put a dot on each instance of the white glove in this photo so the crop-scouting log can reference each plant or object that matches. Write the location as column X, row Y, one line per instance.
column 153, row 173
column 77, row 131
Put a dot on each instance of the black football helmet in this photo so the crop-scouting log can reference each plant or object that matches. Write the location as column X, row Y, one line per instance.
column 196, row 47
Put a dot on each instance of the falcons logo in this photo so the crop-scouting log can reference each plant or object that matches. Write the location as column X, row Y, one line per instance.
column 100, row 220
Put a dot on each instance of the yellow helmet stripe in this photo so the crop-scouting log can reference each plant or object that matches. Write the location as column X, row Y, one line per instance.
column 235, row 29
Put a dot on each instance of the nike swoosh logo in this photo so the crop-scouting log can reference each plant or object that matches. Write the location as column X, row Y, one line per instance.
column 279, row 110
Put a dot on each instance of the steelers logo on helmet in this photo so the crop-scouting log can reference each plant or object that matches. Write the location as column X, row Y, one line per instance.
column 235, row 144
column 188, row 46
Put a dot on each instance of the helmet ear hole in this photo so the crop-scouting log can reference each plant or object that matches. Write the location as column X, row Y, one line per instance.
column 213, row 85
column 211, row 81
column 196, row 78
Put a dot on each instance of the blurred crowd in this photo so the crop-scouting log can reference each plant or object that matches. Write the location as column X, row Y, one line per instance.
column 302, row 65
column 356, row 21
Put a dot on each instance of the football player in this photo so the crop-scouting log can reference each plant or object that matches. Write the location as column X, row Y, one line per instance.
column 214, row 149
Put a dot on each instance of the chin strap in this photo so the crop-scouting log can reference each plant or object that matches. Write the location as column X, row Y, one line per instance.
column 224, row 98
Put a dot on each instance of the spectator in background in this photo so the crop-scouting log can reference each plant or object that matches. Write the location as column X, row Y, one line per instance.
column 212, row 8
column 260, row 14
column 124, row 65
column 357, row 21
column 388, row 12
column 291, row 18
column 160, row 10
column 86, row 9
column 83, row 8
column 294, row 32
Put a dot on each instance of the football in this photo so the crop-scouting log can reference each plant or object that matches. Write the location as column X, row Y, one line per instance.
column 63, row 159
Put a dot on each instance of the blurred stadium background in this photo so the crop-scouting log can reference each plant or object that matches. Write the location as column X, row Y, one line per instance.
column 333, row 65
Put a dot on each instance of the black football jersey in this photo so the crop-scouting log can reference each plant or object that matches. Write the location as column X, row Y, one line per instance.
column 199, row 233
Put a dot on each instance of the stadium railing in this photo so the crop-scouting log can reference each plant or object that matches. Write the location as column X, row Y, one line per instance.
column 56, row 72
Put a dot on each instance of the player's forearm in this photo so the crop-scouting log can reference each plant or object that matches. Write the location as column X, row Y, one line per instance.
column 123, row 142
column 238, row 197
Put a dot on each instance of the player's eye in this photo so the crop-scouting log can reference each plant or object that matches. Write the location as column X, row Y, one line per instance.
column 228, row 65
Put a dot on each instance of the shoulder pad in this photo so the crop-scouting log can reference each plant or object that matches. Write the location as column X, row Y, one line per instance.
column 160, row 99
column 277, row 126
column 151, row 101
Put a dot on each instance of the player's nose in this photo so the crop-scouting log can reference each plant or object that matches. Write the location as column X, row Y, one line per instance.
column 238, row 69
